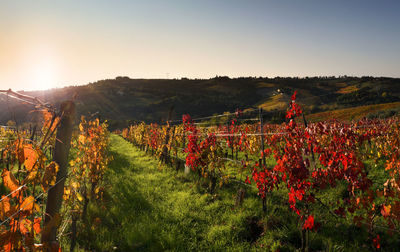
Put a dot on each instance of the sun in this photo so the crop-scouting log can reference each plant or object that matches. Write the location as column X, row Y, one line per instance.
column 43, row 76
column 41, row 67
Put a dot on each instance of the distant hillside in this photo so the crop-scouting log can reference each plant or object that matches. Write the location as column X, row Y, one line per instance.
column 355, row 113
column 124, row 100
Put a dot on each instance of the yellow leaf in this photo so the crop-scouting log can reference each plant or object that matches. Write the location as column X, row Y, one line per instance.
column 75, row 185
column 30, row 156
column 79, row 196
column 49, row 177
column 67, row 193
column 81, row 127
column 31, row 176
column 82, row 139
column 28, row 204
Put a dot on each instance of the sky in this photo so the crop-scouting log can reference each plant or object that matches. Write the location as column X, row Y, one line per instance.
column 53, row 43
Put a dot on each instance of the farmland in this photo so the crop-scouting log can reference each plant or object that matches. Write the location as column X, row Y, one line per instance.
column 234, row 180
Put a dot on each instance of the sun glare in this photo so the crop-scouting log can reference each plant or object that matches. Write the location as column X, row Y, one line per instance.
column 43, row 76
column 41, row 69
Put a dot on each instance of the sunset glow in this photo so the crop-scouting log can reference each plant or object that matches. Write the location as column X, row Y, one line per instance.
column 42, row 72
column 43, row 76
column 77, row 42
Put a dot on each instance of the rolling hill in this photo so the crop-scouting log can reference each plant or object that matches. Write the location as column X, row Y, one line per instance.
column 123, row 100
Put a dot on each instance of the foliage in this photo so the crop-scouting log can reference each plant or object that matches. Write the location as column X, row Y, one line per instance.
column 87, row 169
column 27, row 174
column 308, row 160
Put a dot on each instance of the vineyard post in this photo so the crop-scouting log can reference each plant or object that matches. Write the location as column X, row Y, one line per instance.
column 142, row 146
column 33, row 132
column 172, row 138
column 229, row 137
column 55, row 194
column 306, row 234
column 232, row 139
column 261, row 134
column 165, row 152
column 260, row 111
column 184, row 140
column 73, row 232
column 8, row 161
column 312, row 148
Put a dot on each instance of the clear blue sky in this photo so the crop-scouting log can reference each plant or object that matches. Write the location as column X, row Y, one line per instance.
column 56, row 43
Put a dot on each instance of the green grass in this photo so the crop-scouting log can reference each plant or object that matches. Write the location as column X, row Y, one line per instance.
column 151, row 208
column 147, row 208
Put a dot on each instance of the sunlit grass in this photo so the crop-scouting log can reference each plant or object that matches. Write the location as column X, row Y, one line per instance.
column 148, row 208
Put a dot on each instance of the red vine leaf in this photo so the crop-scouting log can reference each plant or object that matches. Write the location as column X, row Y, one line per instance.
column 309, row 223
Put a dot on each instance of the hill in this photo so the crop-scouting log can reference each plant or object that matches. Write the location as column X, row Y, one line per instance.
column 123, row 100
column 355, row 113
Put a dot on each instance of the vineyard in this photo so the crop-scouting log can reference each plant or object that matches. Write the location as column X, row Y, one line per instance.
column 57, row 189
column 347, row 172
column 36, row 179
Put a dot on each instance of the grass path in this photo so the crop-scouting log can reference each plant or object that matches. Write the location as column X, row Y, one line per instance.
column 147, row 208
column 152, row 209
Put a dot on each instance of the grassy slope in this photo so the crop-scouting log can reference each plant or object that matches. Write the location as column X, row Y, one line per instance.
column 355, row 113
column 152, row 209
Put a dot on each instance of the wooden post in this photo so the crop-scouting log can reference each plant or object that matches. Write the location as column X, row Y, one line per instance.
column 172, row 139
column 55, row 194
column 262, row 161
column 229, row 139
column 33, row 132
column 312, row 148
column 261, row 134
column 73, row 233
column 142, row 146
column 165, row 152
column 184, row 140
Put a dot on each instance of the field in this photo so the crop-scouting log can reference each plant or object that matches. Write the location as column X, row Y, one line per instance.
column 199, row 126
column 326, row 173
column 220, row 182
column 153, row 209
column 356, row 113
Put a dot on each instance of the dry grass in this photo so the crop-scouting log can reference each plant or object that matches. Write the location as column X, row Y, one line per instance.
column 347, row 90
column 278, row 101
column 352, row 113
